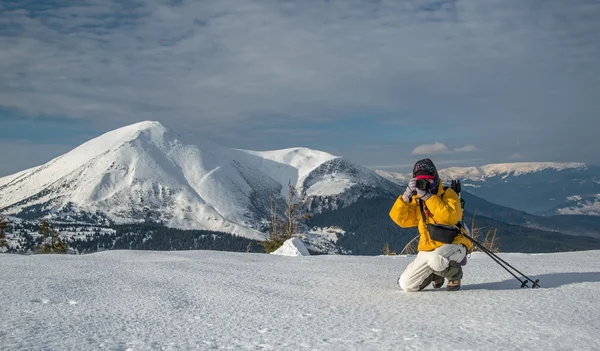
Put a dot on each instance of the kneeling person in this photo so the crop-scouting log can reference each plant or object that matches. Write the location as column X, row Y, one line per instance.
column 426, row 202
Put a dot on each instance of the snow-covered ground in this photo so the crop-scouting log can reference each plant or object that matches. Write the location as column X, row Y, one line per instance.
column 133, row 300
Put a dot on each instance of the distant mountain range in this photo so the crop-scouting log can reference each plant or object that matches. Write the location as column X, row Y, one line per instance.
column 543, row 188
column 144, row 174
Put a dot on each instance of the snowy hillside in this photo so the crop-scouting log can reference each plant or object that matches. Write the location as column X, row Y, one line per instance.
column 580, row 206
column 143, row 172
column 301, row 162
column 123, row 300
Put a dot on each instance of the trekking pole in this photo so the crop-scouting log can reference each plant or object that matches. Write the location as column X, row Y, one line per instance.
column 499, row 261
column 534, row 282
column 523, row 282
column 456, row 186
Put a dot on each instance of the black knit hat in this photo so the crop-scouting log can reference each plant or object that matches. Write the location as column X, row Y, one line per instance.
column 425, row 167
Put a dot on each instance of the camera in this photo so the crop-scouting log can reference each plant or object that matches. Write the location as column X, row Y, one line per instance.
column 422, row 184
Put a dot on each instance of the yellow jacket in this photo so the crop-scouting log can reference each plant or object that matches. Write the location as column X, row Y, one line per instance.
column 441, row 208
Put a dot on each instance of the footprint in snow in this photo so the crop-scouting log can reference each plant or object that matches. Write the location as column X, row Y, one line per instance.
column 44, row 301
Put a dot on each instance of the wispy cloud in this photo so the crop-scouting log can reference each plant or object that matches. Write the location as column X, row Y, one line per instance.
column 466, row 148
column 440, row 148
column 430, row 149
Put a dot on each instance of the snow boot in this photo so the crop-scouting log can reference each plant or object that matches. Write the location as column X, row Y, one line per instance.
column 438, row 281
column 454, row 274
column 453, row 285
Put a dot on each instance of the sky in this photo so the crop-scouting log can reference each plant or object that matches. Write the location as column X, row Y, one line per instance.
column 381, row 83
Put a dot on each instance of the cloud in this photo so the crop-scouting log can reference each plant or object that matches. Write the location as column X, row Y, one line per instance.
column 466, row 148
column 431, row 149
column 240, row 60
column 227, row 69
column 439, row 148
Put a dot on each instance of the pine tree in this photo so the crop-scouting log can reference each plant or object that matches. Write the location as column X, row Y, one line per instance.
column 3, row 227
column 56, row 244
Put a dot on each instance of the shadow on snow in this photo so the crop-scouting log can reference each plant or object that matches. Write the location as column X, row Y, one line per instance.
column 552, row 280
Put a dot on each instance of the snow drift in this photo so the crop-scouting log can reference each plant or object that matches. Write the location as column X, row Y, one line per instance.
column 292, row 247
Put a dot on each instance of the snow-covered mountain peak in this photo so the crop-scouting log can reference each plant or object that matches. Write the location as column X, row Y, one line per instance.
column 107, row 142
column 146, row 125
column 39, row 178
column 143, row 172
column 515, row 169
column 480, row 173
column 298, row 157
column 122, row 135
column 303, row 159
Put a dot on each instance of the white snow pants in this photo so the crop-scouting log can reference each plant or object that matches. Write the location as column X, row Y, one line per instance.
column 428, row 262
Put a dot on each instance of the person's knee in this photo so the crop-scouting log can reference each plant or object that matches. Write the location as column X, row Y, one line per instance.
column 459, row 254
column 440, row 258
column 407, row 287
column 437, row 262
column 407, row 284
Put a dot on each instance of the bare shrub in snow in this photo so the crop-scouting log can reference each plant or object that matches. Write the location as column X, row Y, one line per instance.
column 387, row 251
column 283, row 229
column 412, row 247
column 489, row 241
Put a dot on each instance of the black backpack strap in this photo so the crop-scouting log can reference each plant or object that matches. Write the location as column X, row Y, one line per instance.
column 422, row 212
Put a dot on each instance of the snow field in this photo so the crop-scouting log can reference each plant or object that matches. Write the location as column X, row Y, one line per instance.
column 134, row 300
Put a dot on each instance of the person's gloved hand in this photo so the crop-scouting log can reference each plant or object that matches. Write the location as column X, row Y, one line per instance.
column 423, row 194
column 410, row 189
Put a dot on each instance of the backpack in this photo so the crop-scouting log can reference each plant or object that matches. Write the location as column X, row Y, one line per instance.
column 455, row 185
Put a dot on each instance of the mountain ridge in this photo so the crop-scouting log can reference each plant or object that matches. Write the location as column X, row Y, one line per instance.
column 540, row 188
column 142, row 172
column 491, row 170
